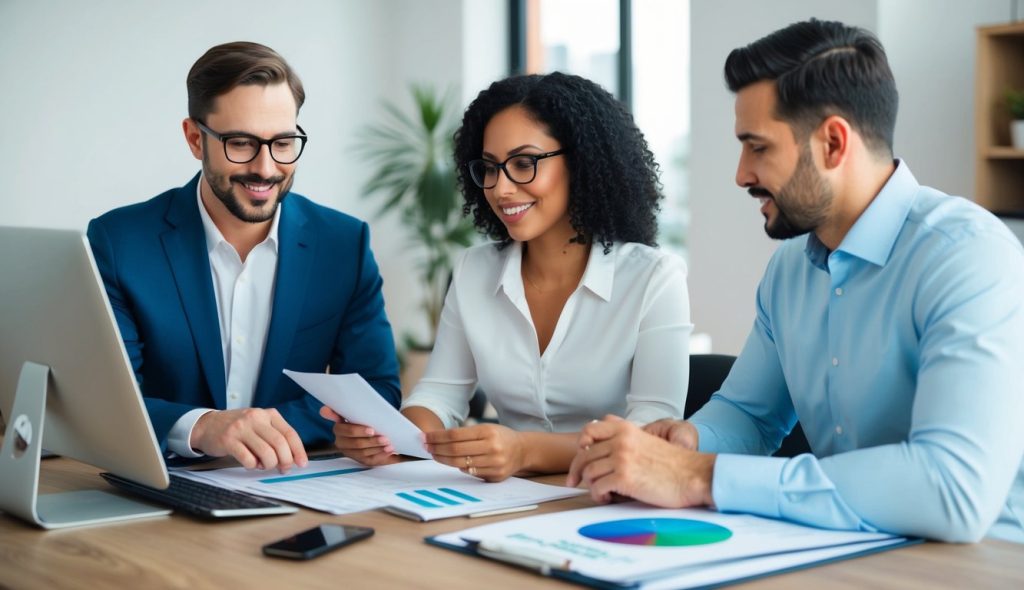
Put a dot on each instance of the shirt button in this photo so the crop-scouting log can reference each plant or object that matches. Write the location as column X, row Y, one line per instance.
column 240, row 340
column 839, row 291
column 839, row 429
column 835, row 362
column 234, row 396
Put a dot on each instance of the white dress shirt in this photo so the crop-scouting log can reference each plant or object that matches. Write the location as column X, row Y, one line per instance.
column 620, row 345
column 245, row 296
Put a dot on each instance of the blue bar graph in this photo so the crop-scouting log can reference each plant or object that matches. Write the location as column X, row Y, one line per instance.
column 438, row 498
column 459, row 494
column 416, row 500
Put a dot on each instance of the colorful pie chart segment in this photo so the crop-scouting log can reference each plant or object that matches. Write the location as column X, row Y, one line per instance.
column 657, row 532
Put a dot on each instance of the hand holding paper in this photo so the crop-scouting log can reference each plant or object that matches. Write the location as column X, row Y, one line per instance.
column 359, row 441
column 353, row 398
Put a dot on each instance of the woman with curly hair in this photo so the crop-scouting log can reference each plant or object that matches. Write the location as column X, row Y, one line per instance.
column 572, row 313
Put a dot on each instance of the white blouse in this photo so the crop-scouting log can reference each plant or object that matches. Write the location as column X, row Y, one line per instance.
column 620, row 346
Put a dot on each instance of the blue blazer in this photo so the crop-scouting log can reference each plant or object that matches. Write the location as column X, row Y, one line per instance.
column 327, row 314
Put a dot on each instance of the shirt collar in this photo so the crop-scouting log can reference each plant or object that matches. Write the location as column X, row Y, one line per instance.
column 510, row 278
column 212, row 232
column 874, row 234
column 598, row 278
column 600, row 273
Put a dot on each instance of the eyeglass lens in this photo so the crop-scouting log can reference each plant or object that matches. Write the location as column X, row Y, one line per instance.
column 244, row 149
column 519, row 169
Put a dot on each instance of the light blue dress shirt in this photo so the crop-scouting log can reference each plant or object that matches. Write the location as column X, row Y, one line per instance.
column 902, row 355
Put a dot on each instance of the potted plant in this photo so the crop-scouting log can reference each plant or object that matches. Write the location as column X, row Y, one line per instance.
column 413, row 170
column 1015, row 104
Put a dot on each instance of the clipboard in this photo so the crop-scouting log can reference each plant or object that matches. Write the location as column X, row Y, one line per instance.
column 568, row 575
column 557, row 546
column 562, row 574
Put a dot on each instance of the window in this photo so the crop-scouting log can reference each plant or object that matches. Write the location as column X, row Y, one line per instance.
column 639, row 51
column 577, row 36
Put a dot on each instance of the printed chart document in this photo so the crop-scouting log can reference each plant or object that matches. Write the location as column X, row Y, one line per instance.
column 352, row 397
column 638, row 546
column 421, row 490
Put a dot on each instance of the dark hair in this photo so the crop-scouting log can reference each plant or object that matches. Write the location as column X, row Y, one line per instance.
column 613, row 178
column 226, row 66
column 823, row 68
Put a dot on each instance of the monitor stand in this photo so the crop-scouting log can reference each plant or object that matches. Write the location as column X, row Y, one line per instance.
column 19, row 464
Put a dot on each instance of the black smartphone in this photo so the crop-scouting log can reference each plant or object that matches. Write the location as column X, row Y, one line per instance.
column 317, row 541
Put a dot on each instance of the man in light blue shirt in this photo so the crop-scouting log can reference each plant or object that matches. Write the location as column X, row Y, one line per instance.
column 890, row 323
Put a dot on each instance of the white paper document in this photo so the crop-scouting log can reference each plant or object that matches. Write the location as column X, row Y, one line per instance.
column 423, row 490
column 638, row 545
column 352, row 397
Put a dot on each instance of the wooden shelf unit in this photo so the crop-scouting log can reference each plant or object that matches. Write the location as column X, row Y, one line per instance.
column 999, row 174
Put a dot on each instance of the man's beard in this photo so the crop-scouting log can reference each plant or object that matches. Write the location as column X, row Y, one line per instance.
column 222, row 188
column 802, row 204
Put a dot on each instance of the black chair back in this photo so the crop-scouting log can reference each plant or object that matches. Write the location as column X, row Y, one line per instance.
column 707, row 373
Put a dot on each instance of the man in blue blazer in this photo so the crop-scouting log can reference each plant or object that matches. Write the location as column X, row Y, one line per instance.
column 220, row 284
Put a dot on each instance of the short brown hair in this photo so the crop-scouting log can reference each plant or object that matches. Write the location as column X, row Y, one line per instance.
column 226, row 66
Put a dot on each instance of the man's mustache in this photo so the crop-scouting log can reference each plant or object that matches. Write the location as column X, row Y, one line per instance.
column 256, row 179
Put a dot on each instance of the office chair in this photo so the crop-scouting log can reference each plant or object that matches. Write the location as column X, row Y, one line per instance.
column 477, row 407
column 707, row 372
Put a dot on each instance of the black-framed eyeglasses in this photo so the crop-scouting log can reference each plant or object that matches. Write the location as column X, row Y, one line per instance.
column 520, row 169
column 242, row 148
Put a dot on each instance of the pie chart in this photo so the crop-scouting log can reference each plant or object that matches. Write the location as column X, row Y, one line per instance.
column 656, row 532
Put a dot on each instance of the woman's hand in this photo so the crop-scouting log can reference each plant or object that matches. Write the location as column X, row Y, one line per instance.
column 488, row 451
column 360, row 442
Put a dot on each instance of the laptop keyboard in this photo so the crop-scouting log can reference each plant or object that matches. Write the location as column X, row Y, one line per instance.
column 202, row 499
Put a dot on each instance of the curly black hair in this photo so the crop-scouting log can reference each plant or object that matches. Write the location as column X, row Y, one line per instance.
column 613, row 179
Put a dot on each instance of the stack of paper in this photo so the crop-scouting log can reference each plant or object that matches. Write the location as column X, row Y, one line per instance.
column 422, row 490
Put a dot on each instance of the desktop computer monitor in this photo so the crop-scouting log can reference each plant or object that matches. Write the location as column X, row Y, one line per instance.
column 66, row 383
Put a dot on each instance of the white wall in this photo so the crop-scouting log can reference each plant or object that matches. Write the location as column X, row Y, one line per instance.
column 458, row 46
column 94, row 95
column 930, row 44
column 931, row 49
column 100, row 95
column 727, row 245
column 485, row 41
column 419, row 43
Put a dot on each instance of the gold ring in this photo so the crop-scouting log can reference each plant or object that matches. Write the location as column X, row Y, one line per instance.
column 472, row 471
column 469, row 461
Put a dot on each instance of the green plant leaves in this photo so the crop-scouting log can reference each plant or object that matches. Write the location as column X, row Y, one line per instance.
column 1015, row 102
column 415, row 175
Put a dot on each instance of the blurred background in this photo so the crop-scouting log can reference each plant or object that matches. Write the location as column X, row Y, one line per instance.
column 93, row 97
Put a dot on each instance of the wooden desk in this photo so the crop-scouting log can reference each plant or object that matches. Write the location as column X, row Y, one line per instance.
column 180, row 552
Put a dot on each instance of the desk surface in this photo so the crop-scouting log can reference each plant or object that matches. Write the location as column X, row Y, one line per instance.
column 180, row 552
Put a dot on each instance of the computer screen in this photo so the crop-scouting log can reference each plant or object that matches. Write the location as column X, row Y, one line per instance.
column 54, row 312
